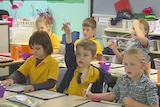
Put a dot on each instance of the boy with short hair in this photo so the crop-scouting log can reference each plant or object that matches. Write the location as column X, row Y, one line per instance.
column 89, row 29
column 79, row 70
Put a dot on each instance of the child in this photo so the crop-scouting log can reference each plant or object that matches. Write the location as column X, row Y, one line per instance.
column 79, row 70
column 132, row 89
column 140, row 39
column 41, row 68
column 89, row 29
column 44, row 24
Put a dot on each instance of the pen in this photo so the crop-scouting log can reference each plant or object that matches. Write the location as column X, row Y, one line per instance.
column 67, row 23
column 89, row 87
column 64, row 20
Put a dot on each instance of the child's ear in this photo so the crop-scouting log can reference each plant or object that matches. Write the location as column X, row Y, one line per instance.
column 144, row 65
column 94, row 58
column 49, row 26
column 94, row 29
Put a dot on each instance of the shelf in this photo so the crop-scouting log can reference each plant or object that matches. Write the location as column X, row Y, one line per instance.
column 116, row 30
column 112, row 32
column 126, row 31
column 155, row 52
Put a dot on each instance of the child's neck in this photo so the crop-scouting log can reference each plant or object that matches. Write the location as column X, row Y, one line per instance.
column 84, row 70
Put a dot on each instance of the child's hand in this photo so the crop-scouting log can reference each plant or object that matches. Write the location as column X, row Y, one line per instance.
column 87, row 95
column 29, row 88
column 136, row 23
column 128, row 101
column 55, row 51
column 8, row 82
column 112, row 44
column 66, row 28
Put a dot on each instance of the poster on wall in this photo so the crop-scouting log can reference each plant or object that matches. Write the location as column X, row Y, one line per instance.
column 69, row 1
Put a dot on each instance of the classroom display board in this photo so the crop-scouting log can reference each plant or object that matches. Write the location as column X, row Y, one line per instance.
column 107, row 6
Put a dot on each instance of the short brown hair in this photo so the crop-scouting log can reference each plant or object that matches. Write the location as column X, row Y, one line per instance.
column 88, row 45
column 89, row 22
column 41, row 38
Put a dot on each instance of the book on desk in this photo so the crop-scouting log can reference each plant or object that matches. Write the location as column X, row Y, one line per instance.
column 99, row 104
column 42, row 94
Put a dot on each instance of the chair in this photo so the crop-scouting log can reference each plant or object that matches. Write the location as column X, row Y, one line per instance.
column 75, row 36
column 61, row 74
column 62, row 50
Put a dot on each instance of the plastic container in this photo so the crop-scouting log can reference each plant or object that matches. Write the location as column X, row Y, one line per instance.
column 158, row 45
column 2, row 91
column 109, row 58
column 10, row 19
column 5, row 17
column 26, row 23
column 158, row 76
column 26, row 55
column 105, row 66
column 157, row 63
column 20, row 34
column 121, row 25
column 15, row 52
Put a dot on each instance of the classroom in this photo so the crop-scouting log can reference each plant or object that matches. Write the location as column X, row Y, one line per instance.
column 66, row 70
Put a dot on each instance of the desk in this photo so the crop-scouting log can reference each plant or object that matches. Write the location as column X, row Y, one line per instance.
column 20, row 61
column 12, row 63
column 64, row 101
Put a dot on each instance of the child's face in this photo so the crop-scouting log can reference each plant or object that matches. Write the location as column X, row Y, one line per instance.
column 38, row 51
column 88, row 32
column 43, row 27
column 133, row 67
column 83, row 57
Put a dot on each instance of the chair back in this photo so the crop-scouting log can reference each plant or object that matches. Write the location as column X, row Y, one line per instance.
column 75, row 36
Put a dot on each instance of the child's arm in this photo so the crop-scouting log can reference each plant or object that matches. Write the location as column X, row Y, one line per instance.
column 113, row 46
column 109, row 96
column 140, row 32
column 15, row 77
column 45, row 85
column 67, row 30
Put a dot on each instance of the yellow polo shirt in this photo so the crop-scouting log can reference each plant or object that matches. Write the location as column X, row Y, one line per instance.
column 47, row 69
column 99, row 46
column 77, row 89
column 55, row 40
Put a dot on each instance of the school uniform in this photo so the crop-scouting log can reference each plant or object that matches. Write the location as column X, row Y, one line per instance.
column 54, row 40
column 70, row 84
column 143, row 90
column 48, row 68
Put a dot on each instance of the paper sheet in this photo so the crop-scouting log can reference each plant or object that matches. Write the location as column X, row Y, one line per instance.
column 45, row 94
column 98, row 104
column 16, row 88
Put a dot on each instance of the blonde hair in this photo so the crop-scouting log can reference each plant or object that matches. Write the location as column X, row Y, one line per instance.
column 137, row 52
column 145, row 25
column 88, row 45
column 89, row 22
column 43, row 19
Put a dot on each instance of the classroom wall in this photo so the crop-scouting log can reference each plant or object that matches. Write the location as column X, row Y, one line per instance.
column 73, row 12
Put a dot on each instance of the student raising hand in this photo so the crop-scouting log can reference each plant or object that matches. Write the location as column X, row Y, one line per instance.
column 67, row 30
